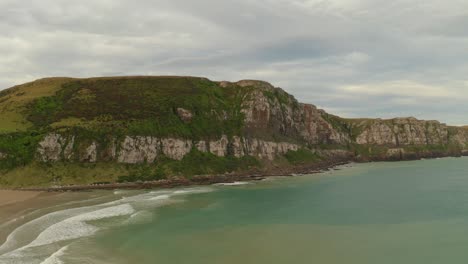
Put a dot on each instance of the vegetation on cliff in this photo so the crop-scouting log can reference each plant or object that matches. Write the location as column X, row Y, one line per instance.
column 66, row 131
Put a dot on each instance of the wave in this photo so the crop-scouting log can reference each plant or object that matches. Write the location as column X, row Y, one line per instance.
column 36, row 237
column 55, row 258
column 193, row 190
column 77, row 226
column 32, row 227
column 29, row 213
column 160, row 197
column 72, row 228
column 237, row 183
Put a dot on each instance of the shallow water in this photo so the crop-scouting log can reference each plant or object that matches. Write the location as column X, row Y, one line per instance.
column 406, row 212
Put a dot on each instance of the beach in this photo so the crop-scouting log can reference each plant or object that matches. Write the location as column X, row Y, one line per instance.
column 8, row 197
column 414, row 209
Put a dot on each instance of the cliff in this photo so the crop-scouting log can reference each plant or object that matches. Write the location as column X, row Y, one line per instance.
column 67, row 131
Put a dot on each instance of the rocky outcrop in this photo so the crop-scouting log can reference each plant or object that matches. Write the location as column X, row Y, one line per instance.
column 402, row 132
column 89, row 154
column 267, row 149
column 459, row 137
column 377, row 133
column 176, row 148
column 219, row 147
column 138, row 150
column 202, row 146
column 395, row 153
column 237, row 146
column 272, row 111
column 184, row 114
column 55, row 147
column 141, row 149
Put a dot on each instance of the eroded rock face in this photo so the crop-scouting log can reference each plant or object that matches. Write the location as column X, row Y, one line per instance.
column 273, row 111
column 237, row 147
column 316, row 130
column 460, row 138
column 90, row 153
column 109, row 153
column 184, row 114
column 55, row 147
column 403, row 132
column 176, row 148
column 378, row 133
column 257, row 111
column 395, row 153
column 202, row 146
column 50, row 148
column 68, row 150
column 267, row 149
column 219, row 147
column 146, row 149
column 138, row 150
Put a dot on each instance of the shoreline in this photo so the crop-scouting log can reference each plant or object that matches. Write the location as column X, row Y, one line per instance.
column 253, row 175
column 200, row 180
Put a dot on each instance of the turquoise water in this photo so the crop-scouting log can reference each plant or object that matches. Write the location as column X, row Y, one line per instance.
column 406, row 212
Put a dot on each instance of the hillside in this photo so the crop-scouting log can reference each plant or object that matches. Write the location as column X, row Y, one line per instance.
column 58, row 131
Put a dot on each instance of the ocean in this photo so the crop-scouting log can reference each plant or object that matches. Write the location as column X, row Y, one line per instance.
column 402, row 212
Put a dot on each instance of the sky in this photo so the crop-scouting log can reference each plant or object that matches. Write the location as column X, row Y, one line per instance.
column 353, row 58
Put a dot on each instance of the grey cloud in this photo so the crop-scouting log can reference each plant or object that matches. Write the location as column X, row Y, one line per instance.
column 311, row 48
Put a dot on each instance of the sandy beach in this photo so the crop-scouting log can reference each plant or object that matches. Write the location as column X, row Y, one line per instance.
column 9, row 197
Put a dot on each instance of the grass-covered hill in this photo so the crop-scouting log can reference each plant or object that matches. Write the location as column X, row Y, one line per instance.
column 69, row 130
column 127, row 104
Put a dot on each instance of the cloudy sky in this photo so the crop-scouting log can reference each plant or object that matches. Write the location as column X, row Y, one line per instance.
column 355, row 58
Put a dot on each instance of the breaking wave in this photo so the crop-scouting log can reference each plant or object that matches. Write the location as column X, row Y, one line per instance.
column 37, row 240
column 237, row 183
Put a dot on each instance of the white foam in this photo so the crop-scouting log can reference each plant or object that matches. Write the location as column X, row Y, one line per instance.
column 69, row 224
column 160, row 197
column 160, row 192
column 55, row 258
column 39, row 224
column 237, row 183
column 77, row 226
column 193, row 190
column 74, row 227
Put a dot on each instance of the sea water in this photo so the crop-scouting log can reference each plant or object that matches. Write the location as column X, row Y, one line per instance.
column 404, row 212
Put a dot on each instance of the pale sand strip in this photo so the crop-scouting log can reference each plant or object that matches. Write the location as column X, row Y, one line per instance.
column 9, row 197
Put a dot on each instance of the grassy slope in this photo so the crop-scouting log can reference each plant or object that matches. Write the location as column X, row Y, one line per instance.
column 141, row 105
column 14, row 102
column 96, row 107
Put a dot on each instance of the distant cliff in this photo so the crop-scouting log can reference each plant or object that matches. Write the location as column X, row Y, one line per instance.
column 67, row 131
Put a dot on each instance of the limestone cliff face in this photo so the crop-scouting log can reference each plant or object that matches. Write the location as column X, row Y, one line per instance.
column 272, row 111
column 274, row 124
column 404, row 132
column 55, row 147
column 459, row 137
column 139, row 149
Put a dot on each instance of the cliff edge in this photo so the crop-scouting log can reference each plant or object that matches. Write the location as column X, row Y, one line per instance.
column 58, row 131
